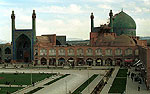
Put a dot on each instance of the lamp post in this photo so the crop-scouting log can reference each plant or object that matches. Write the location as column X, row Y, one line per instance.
column 31, row 73
column 88, row 82
column 66, row 86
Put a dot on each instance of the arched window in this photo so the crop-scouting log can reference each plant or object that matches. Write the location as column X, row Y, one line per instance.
column 98, row 52
column 61, row 51
column 7, row 51
column 89, row 52
column 108, row 52
column 43, row 61
column 128, row 52
column 70, row 52
column 136, row 52
column 52, row 52
column 80, row 52
column 43, row 51
column 35, row 51
column 118, row 51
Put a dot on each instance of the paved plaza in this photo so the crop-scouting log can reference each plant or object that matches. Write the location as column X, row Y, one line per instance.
column 76, row 78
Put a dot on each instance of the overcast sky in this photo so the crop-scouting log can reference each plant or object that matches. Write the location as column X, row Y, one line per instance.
column 70, row 17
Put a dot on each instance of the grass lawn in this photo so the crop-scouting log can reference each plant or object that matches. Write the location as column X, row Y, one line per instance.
column 122, row 73
column 118, row 86
column 22, row 79
column 4, row 90
column 85, row 84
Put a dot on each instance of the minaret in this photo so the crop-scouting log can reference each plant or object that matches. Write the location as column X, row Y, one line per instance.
column 13, row 23
column 34, row 25
column 111, row 20
column 92, row 22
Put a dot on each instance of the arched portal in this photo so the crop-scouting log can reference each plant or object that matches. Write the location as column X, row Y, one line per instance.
column 7, row 51
column 80, row 61
column 52, row 61
column 23, row 48
column 61, row 61
column 71, row 62
column 7, row 60
column 99, row 62
column 43, row 61
column 89, row 61
column 36, row 61
column 108, row 62
column 118, row 62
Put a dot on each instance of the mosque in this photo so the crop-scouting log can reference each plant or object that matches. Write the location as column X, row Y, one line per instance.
column 111, row 44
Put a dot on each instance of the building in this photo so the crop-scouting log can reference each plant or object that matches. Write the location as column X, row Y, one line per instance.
column 110, row 44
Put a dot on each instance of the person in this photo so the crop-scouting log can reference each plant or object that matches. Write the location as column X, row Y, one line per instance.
column 128, row 74
column 132, row 78
column 70, row 92
column 139, row 88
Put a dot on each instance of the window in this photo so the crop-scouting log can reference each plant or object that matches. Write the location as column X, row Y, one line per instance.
column 89, row 52
column 108, row 52
column 52, row 52
column 35, row 52
column 70, row 52
column 7, row 51
column 98, row 51
column 118, row 51
column 61, row 51
column 43, row 51
column 128, row 51
column 80, row 51
column 136, row 52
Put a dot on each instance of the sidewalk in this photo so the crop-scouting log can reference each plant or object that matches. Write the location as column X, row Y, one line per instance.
column 106, row 88
column 63, row 86
column 132, row 87
column 92, row 85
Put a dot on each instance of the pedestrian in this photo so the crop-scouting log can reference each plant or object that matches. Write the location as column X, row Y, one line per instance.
column 70, row 92
column 139, row 88
column 132, row 78
column 129, row 73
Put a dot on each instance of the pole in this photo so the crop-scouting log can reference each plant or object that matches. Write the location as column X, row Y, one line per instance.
column 31, row 74
column 88, row 82
column 66, row 86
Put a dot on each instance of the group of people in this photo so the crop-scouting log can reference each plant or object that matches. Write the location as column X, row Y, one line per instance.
column 135, row 78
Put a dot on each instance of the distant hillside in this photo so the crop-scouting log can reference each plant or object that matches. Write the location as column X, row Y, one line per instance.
column 145, row 38
column 74, row 39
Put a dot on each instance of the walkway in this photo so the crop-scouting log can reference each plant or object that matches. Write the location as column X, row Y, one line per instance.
column 71, row 82
column 92, row 85
column 132, row 87
column 106, row 88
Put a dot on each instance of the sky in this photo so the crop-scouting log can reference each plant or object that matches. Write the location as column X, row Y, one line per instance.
column 70, row 17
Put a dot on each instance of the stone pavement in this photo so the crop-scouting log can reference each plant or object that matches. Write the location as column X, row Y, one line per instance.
column 62, row 86
column 132, row 87
column 71, row 82
column 106, row 88
column 92, row 85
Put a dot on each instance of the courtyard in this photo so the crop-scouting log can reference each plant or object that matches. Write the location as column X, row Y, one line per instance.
column 84, row 79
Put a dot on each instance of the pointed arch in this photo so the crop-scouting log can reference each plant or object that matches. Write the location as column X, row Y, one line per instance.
column 7, row 50
column 23, row 48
